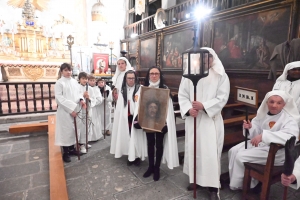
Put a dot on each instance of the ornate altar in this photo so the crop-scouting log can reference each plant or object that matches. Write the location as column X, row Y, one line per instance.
column 23, row 71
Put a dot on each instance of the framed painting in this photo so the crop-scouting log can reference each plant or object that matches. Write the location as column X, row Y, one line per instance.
column 100, row 62
column 247, row 42
column 147, row 53
column 133, row 47
column 153, row 108
column 173, row 46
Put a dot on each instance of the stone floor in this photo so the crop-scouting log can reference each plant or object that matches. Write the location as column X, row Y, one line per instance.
column 24, row 174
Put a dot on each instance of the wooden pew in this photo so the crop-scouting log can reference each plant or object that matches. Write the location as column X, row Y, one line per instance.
column 58, row 186
column 28, row 128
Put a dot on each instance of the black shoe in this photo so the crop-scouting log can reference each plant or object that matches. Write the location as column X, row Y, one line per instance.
column 75, row 153
column 137, row 162
column 149, row 171
column 191, row 187
column 156, row 174
column 257, row 188
column 129, row 163
column 214, row 196
column 66, row 158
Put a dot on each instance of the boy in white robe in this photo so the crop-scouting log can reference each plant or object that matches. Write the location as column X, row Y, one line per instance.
column 276, row 121
column 105, row 105
column 212, row 95
column 69, row 101
column 123, row 116
column 88, row 93
column 96, row 125
column 289, row 81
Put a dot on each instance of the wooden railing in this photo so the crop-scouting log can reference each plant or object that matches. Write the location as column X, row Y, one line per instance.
column 178, row 13
column 26, row 97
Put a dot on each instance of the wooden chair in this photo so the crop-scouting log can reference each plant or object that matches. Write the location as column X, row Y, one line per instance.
column 267, row 174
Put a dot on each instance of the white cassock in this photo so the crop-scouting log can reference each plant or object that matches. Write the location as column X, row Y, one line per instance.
column 67, row 97
column 100, row 109
column 212, row 92
column 138, row 140
column 296, row 172
column 120, row 136
column 96, row 125
column 82, row 114
column 284, row 128
column 293, row 88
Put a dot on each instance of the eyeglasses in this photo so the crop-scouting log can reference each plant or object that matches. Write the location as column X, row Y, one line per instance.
column 154, row 74
column 131, row 79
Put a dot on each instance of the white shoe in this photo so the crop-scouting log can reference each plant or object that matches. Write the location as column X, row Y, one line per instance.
column 89, row 146
column 82, row 149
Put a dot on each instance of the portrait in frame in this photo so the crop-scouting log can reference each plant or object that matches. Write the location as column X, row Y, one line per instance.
column 153, row 108
column 133, row 47
column 247, row 42
column 100, row 62
column 147, row 53
column 173, row 46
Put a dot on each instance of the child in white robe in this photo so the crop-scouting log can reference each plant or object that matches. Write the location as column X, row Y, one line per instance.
column 104, row 108
column 276, row 121
column 96, row 125
column 88, row 94
column 69, row 101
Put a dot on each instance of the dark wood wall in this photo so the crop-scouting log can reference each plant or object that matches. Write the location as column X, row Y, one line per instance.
column 249, row 78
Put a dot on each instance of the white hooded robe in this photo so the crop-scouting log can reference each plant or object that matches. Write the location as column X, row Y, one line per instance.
column 96, row 125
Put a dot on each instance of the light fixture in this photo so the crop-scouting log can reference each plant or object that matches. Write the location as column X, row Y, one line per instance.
column 133, row 35
column 98, row 11
column 187, row 15
column 201, row 12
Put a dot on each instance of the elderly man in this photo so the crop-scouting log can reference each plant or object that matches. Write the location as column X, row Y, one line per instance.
column 276, row 121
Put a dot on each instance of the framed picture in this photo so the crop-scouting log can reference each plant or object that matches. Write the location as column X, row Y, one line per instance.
column 147, row 53
column 173, row 46
column 153, row 108
column 100, row 62
column 133, row 47
column 246, row 96
column 247, row 42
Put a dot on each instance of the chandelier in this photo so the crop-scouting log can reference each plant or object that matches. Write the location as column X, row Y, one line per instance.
column 28, row 13
column 98, row 12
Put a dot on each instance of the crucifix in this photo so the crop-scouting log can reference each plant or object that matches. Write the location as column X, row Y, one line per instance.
column 81, row 52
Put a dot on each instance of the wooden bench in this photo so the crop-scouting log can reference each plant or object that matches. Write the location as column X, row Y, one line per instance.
column 237, row 120
column 58, row 186
column 27, row 128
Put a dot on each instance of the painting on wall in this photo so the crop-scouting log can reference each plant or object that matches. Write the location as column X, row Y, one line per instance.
column 148, row 53
column 173, row 46
column 100, row 61
column 133, row 47
column 248, row 42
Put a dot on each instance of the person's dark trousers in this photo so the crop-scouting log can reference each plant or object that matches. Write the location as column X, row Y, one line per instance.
column 154, row 139
column 66, row 155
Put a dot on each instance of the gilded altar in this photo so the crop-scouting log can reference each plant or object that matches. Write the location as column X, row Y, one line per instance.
column 24, row 71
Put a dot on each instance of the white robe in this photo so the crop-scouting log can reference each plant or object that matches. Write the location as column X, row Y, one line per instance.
column 284, row 128
column 100, row 109
column 82, row 114
column 138, row 141
column 67, row 97
column 96, row 125
column 296, row 172
column 213, row 93
column 120, row 137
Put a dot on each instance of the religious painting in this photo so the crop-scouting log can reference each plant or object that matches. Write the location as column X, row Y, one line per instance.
column 153, row 108
column 147, row 53
column 173, row 46
column 247, row 42
column 100, row 61
column 133, row 47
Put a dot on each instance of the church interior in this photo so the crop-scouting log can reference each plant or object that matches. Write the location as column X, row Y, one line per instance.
column 254, row 39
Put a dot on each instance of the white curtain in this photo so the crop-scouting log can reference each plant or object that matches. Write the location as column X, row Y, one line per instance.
column 165, row 4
